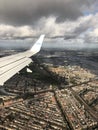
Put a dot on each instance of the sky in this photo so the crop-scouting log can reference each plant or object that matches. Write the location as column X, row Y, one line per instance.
column 64, row 22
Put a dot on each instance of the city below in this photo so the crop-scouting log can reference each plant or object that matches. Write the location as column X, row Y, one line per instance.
column 61, row 93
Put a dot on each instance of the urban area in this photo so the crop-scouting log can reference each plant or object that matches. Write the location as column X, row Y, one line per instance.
column 61, row 93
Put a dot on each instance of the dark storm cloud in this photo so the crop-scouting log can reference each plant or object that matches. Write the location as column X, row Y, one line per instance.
column 28, row 12
column 70, row 36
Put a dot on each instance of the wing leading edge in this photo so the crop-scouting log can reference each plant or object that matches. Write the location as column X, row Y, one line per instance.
column 11, row 65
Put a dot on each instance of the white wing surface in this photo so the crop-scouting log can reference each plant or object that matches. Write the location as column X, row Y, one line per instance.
column 10, row 65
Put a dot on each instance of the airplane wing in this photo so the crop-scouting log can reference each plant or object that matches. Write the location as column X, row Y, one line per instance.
column 10, row 65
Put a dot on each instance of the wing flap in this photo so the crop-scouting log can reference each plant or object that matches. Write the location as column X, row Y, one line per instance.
column 8, row 67
column 11, row 60
column 12, row 71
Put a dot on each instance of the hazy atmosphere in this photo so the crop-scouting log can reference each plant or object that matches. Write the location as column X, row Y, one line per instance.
column 66, row 23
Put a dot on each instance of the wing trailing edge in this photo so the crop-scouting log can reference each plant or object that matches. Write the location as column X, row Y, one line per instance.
column 11, row 65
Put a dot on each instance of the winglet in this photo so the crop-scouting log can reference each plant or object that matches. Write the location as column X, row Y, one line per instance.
column 37, row 46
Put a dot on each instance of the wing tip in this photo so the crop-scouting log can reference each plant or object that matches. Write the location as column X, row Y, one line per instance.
column 37, row 46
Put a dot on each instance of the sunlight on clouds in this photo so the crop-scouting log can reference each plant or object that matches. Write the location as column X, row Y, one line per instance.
column 49, row 26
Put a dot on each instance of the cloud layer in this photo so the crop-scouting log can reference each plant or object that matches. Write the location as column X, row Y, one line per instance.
column 67, row 29
column 72, row 20
column 28, row 12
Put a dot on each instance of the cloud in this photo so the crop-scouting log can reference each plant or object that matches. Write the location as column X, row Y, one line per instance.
column 49, row 26
column 92, row 36
column 11, row 32
column 95, row 32
column 71, row 20
column 28, row 12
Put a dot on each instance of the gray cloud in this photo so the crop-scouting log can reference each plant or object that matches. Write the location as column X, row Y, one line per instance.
column 28, row 12
column 70, row 36
column 83, row 26
column 58, row 19
column 68, row 29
